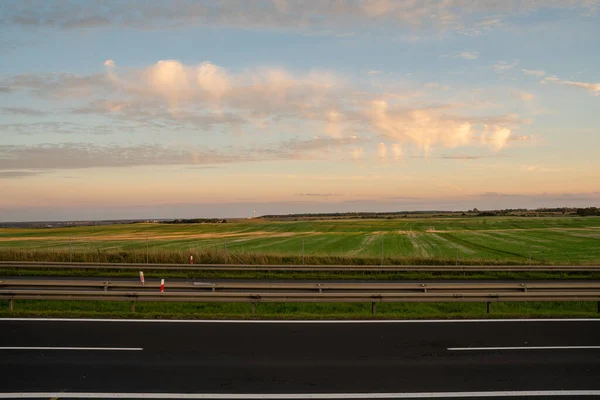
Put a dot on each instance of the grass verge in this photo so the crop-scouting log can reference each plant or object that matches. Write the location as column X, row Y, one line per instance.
column 160, row 310
column 219, row 256
column 284, row 275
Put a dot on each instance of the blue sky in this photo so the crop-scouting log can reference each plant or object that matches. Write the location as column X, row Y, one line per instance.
column 149, row 109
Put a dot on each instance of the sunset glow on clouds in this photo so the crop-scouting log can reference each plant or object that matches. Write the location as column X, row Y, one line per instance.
column 155, row 109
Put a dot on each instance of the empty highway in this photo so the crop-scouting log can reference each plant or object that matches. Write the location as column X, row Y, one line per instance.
column 265, row 359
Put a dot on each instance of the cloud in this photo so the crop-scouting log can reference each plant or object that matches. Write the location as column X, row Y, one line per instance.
column 23, row 111
column 62, row 85
column 320, row 144
column 374, row 72
column 469, row 55
column 6, row 89
column 534, row 72
column 462, row 157
column 382, row 151
column 18, row 174
column 65, row 128
column 87, row 155
column 50, row 156
column 92, row 21
column 109, row 63
column 357, row 153
column 592, row 87
column 318, row 194
column 526, row 96
column 465, row 55
column 430, row 127
column 501, row 67
column 207, row 96
column 397, row 151
column 435, row 85
column 328, row 16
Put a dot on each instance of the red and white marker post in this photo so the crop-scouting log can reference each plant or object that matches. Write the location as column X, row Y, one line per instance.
column 162, row 285
column 142, row 278
column 191, row 259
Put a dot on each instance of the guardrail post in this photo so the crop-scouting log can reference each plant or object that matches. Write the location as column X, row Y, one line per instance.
column 132, row 306
column 489, row 307
column 11, row 304
column 373, row 308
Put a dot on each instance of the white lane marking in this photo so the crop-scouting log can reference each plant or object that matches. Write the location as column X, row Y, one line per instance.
column 302, row 396
column 522, row 348
column 76, row 348
column 244, row 321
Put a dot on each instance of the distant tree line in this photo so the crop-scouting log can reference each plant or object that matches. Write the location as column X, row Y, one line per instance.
column 196, row 221
column 584, row 212
column 357, row 215
column 589, row 211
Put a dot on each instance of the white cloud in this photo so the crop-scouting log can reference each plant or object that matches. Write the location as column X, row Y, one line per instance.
column 397, row 151
column 465, row 55
column 374, row 72
column 109, row 63
column 435, row 85
column 534, row 72
column 207, row 97
column 592, row 87
column 496, row 136
column 425, row 128
column 357, row 153
column 469, row 55
column 382, row 151
column 336, row 17
column 526, row 96
column 502, row 67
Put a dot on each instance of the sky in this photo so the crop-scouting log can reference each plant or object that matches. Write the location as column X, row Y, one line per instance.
column 234, row 108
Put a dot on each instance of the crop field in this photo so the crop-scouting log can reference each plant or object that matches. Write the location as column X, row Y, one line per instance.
column 521, row 240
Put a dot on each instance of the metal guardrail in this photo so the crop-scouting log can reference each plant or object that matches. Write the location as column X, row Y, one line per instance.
column 300, row 287
column 301, row 268
column 254, row 293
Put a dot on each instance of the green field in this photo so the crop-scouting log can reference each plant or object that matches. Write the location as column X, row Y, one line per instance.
column 488, row 240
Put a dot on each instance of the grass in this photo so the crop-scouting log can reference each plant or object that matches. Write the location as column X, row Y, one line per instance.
column 284, row 275
column 97, row 309
column 450, row 240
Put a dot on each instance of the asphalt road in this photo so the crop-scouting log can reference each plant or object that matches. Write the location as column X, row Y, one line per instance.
column 299, row 358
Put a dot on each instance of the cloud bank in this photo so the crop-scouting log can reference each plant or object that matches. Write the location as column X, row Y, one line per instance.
column 466, row 16
column 271, row 99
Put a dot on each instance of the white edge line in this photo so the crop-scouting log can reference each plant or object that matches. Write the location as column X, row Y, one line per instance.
column 76, row 348
column 522, row 348
column 267, row 321
column 301, row 396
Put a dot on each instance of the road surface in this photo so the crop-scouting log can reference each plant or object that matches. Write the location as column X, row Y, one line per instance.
column 262, row 359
